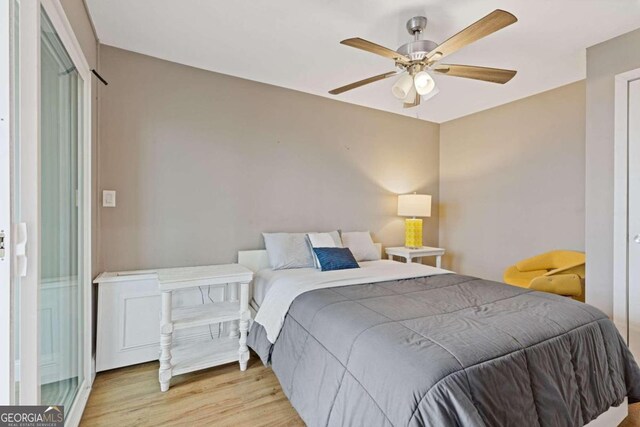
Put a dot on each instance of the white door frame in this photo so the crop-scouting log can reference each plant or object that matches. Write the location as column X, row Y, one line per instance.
column 6, row 296
column 29, row 105
column 621, row 203
column 29, row 178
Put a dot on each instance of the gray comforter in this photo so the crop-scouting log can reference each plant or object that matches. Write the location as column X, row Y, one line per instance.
column 447, row 350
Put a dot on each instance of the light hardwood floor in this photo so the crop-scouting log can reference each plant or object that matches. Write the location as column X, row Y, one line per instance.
column 633, row 420
column 221, row 396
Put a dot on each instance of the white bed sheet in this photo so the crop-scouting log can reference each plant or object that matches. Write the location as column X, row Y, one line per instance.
column 264, row 279
column 275, row 290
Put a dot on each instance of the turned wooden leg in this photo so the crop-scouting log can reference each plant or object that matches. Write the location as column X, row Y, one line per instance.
column 245, row 314
column 233, row 297
column 166, row 331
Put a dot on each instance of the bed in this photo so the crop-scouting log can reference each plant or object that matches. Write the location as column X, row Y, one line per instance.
column 407, row 344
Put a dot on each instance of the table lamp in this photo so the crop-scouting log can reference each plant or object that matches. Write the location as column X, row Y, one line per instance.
column 414, row 205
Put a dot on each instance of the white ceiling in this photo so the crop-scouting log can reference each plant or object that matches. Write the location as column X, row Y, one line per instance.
column 295, row 43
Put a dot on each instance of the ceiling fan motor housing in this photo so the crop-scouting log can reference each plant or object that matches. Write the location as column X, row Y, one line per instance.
column 417, row 24
column 417, row 49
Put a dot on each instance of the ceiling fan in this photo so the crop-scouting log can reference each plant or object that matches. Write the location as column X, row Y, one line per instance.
column 417, row 59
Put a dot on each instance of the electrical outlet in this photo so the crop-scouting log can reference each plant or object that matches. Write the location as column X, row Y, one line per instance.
column 108, row 198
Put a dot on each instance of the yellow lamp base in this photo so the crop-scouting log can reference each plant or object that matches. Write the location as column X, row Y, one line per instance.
column 413, row 233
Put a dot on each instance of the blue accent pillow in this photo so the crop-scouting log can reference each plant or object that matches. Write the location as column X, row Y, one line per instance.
column 335, row 259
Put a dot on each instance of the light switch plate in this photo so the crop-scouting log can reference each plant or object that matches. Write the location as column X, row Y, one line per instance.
column 108, row 198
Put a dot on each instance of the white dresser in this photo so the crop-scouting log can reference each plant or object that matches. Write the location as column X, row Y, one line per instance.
column 128, row 320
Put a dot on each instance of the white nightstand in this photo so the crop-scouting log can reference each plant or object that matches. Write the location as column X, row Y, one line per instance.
column 179, row 359
column 409, row 253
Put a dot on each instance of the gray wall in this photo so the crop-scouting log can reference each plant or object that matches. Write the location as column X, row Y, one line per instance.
column 604, row 61
column 512, row 182
column 203, row 163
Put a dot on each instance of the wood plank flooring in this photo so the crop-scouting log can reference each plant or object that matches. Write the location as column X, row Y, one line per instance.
column 220, row 396
column 633, row 419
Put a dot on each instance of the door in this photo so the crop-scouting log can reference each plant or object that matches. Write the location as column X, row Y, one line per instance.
column 45, row 211
column 6, row 368
column 61, row 302
column 9, row 208
column 633, row 302
column 626, row 220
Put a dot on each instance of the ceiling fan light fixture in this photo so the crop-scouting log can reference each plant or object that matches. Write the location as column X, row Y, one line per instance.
column 423, row 83
column 403, row 86
column 411, row 96
column 417, row 60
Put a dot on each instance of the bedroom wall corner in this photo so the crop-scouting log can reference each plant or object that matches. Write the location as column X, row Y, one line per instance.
column 512, row 182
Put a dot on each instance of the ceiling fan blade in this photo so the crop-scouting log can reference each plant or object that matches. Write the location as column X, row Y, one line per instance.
column 363, row 82
column 496, row 20
column 415, row 102
column 363, row 44
column 493, row 75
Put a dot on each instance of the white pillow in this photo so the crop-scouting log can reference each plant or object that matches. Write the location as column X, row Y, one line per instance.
column 323, row 240
column 361, row 245
column 288, row 250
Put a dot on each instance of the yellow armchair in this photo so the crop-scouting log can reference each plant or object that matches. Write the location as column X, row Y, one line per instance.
column 557, row 272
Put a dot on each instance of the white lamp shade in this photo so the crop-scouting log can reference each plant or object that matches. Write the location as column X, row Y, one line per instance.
column 402, row 87
column 418, row 205
column 424, row 83
column 411, row 96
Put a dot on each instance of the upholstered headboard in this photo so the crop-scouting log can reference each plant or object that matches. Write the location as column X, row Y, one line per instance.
column 257, row 260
